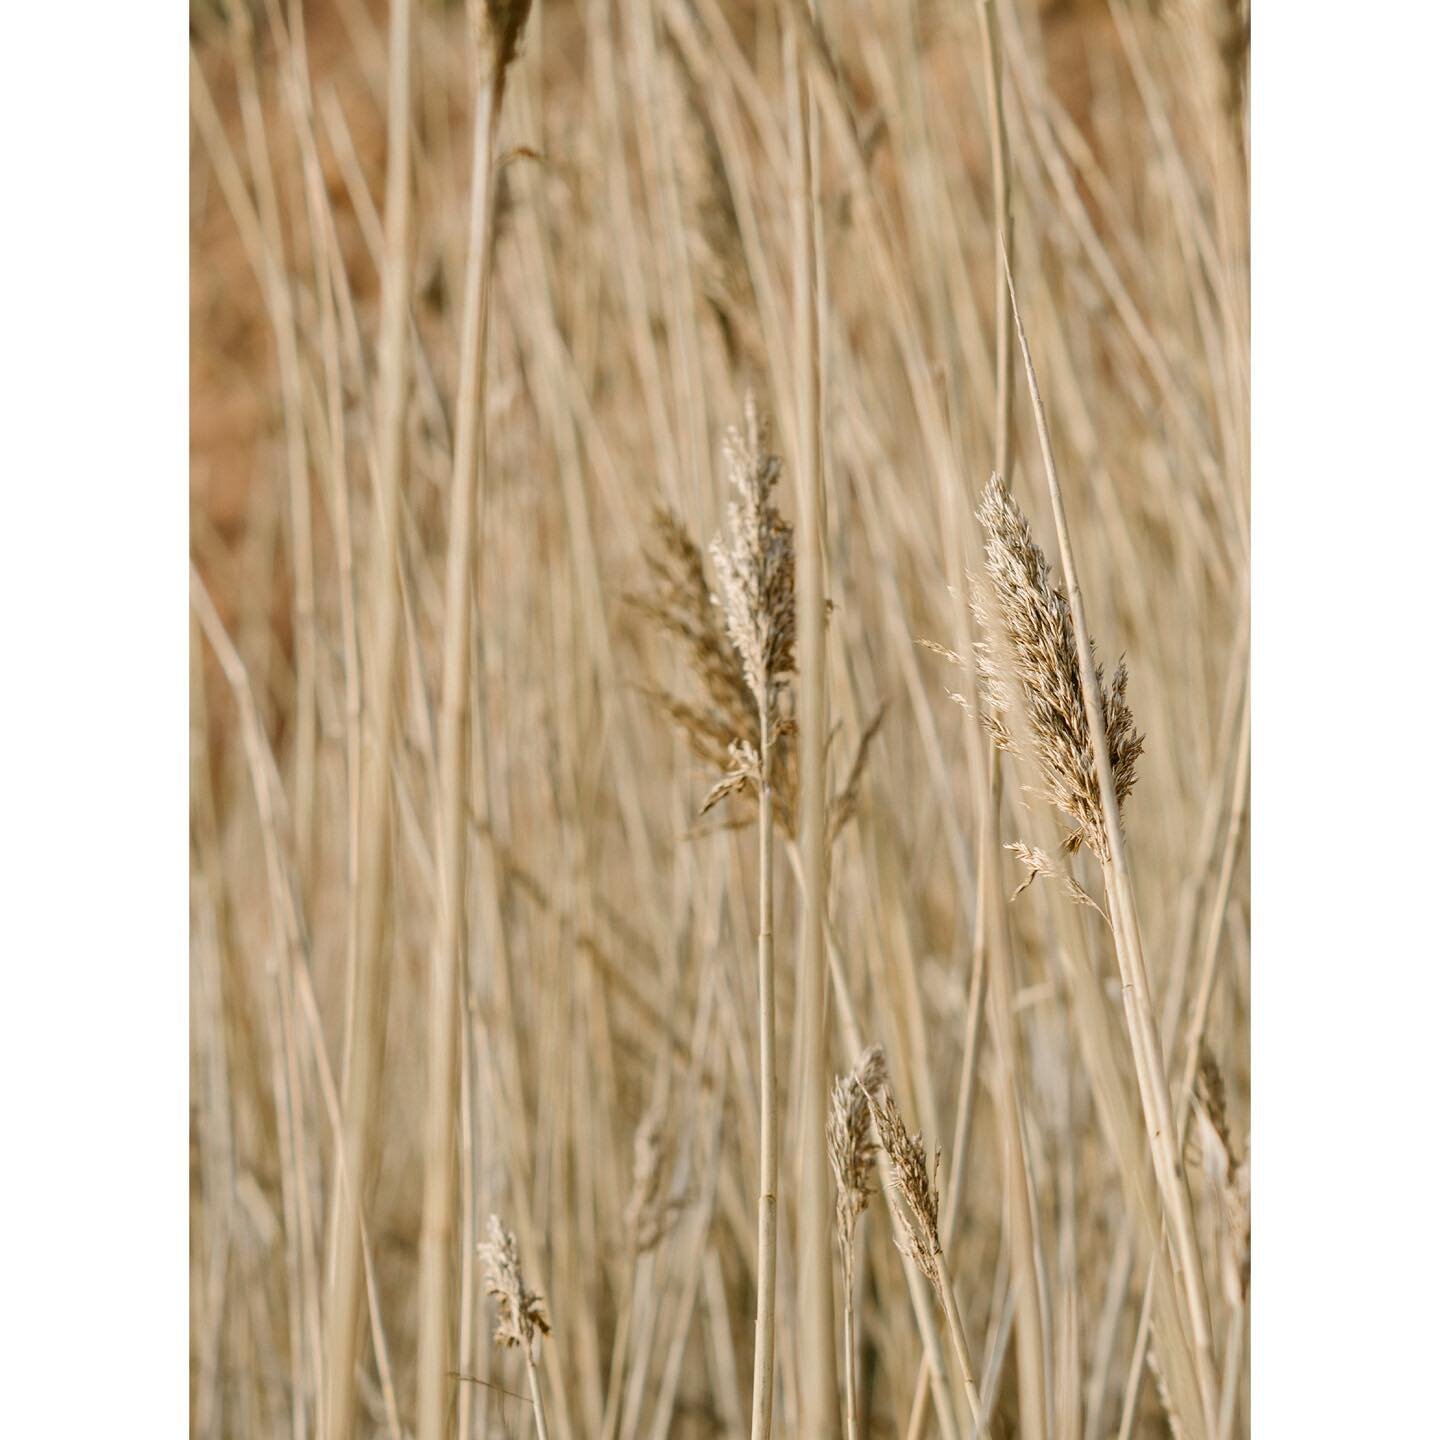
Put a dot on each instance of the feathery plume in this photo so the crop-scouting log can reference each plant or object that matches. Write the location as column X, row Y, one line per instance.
column 755, row 567
column 919, row 1187
column 1039, row 864
column 852, row 1151
column 521, row 1312
column 739, row 636
column 917, row 1184
column 1031, row 668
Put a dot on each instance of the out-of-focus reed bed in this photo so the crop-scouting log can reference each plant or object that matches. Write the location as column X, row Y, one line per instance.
column 574, row 802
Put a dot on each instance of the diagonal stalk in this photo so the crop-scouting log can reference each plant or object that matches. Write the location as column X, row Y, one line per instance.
column 1139, row 1007
column 961, row 1347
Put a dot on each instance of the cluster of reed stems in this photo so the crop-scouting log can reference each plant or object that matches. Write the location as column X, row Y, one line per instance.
column 500, row 919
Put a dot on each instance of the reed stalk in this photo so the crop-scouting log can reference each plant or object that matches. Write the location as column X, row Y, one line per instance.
column 1033, row 1361
column 818, row 1413
column 361, row 1082
column 493, row 54
column 755, row 566
column 1139, row 1007
column 762, row 1397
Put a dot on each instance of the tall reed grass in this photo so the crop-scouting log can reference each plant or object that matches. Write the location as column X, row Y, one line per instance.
column 548, row 864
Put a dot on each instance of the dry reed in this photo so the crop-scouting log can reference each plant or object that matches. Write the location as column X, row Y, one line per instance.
column 495, row 38
column 463, row 941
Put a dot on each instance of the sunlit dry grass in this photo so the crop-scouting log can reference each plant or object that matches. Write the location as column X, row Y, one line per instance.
column 478, row 293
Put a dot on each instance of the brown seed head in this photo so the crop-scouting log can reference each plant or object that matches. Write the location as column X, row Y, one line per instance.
column 755, row 566
column 1030, row 669
column 722, row 721
column 520, row 1312
column 915, row 1182
column 852, row 1151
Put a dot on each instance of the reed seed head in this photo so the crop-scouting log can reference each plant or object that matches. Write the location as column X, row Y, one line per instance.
column 1031, row 667
column 852, row 1151
column 755, row 566
column 520, row 1312
column 738, row 638
column 914, row 1181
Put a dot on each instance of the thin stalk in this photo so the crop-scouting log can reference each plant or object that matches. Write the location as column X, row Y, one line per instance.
column 992, row 928
column 961, row 1348
column 610, row 1420
column 1135, row 1376
column 818, row 1411
column 1139, row 1008
column 1004, row 228
column 1234, row 1370
column 964, row 1111
column 1196, row 1031
column 467, row 479
column 280, row 302
column 1030, row 1338
column 852, row 1396
column 362, row 1081
column 532, row 1374
column 763, row 1394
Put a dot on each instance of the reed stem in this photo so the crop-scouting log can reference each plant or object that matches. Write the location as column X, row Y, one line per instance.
column 961, row 1347
column 467, row 479
column 818, row 1411
column 361, row 1083
column 763, row 1394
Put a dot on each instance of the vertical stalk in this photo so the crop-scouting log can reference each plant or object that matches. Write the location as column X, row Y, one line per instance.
column 763, row 1393
column 610, row 1419
column 818, row 1411
column 1004, row 228
column 1029, row 1329
column 852, row 1397
column 362, row 1080
column 467, row 478
column 280, row 303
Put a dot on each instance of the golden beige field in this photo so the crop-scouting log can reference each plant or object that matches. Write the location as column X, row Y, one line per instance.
column 603, row 622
